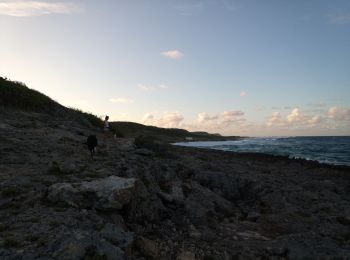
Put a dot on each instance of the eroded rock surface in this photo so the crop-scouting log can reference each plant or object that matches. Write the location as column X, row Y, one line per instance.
column 110, row 193
column 132, row 203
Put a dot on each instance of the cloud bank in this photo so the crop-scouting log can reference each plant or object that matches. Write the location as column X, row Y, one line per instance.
column 167, row 120
column 37, row 8
column 234, row 122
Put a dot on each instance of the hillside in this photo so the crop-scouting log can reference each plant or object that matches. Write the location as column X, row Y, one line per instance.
column 168, row 135
column 16, row 95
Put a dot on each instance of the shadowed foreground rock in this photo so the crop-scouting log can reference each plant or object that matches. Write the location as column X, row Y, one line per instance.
column 168, row 203
column 110, row 193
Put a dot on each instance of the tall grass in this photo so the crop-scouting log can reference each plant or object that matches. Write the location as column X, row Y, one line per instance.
column 17, row 95
column 14, row 94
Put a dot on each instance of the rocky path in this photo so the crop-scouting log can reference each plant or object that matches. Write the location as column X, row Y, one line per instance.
column 181, row 203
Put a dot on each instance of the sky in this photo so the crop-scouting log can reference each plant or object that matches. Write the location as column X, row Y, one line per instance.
column 234, row 67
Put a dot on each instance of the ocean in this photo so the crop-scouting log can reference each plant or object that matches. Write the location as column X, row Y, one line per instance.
column 324, row 149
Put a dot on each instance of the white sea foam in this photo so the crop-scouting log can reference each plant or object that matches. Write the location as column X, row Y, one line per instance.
column 331, row 150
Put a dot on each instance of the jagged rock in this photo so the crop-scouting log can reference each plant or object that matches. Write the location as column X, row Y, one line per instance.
column 144, row 152
column 110, row 193
column 186, row 255
column 67, row 194
column 82, row 245
column 177, row 192
column 344, row 220
column 193, row 232
column 253, row 216
column 117, row 236
column 147, row 247
column 69, row 167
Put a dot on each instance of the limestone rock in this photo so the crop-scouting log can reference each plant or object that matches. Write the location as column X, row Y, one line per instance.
column 186, row 255
column 147, row 247
column 117, row 236
column 110, row 193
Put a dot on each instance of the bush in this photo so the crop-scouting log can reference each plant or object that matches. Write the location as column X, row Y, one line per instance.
column 91, row 118
column 116, row 132
column 151, row 143
column 18, row 95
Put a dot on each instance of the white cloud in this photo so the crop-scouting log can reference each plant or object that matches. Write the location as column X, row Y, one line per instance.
column 315, row 121
column 168, row 119
column 294, row 116
column 243, row 93
column 121, row 100
column 220, row 121
column 37, row 8
column 233, row 122
column 145, row 88
column 294, row 120
column 173, row 54
column 275, row 120
column 339, row 113
column 204, row 117
column 230, row 117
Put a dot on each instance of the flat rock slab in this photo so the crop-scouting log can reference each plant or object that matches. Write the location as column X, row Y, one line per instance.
column 110, row 193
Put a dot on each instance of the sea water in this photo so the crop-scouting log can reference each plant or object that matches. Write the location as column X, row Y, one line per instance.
column 324, row 149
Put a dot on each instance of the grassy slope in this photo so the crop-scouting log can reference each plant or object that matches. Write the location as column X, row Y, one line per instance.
column 16, row 95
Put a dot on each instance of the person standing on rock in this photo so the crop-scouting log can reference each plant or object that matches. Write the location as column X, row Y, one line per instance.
column 105, row 130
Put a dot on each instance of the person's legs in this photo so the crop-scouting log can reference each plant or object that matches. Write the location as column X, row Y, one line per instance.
column 105, row 137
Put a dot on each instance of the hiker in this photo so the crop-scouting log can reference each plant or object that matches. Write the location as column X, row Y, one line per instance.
column 105, row 130
column 106, row 125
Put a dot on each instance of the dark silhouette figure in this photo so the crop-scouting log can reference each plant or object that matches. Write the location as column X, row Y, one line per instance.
column 92, row 143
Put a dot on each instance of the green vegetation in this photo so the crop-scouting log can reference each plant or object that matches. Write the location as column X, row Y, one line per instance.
column 91, row 118
column 167, row 135
column 17, row 95
column 149, row 142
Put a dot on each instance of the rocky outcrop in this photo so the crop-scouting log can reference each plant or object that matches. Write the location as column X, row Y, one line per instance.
column 110, row 193
column 137, row 204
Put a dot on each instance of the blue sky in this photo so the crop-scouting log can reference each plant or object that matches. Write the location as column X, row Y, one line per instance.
column 233, row 67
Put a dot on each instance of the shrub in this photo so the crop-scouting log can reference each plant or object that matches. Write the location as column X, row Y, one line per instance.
column 116, row 132
column 151, row 143
column 18, row 95
column 91, row 118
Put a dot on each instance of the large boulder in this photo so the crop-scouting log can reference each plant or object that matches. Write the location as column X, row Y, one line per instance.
column 110, row 193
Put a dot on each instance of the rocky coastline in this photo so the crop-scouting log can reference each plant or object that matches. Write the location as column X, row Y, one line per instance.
column 160, row 202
